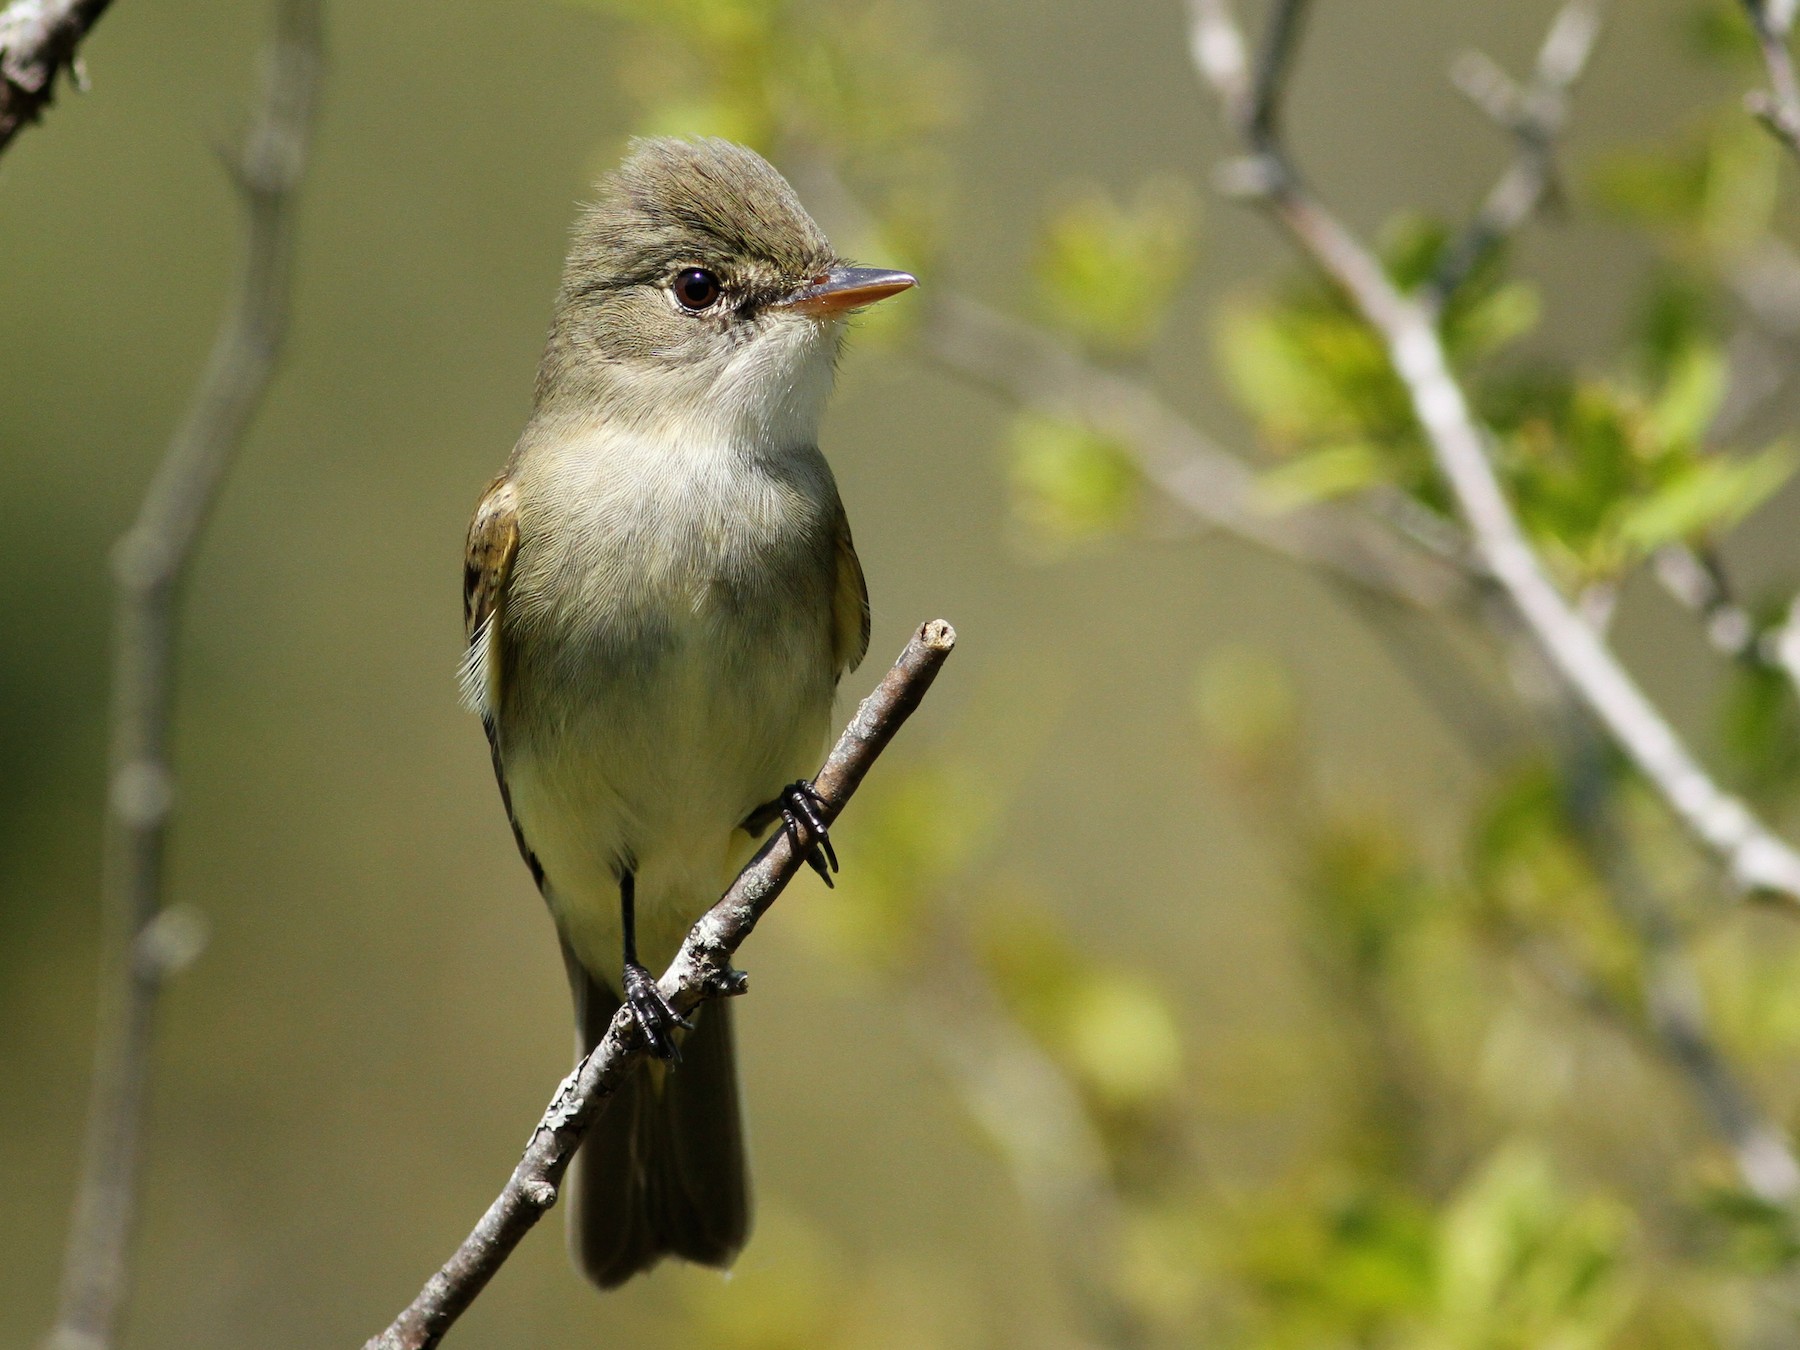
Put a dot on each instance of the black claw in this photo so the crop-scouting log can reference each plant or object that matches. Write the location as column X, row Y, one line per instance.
column 805, row 795
column 809, row 846
column 801, row 802
column 653, row 1012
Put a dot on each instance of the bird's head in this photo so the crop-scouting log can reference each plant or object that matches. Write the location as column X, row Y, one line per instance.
column 699, row 293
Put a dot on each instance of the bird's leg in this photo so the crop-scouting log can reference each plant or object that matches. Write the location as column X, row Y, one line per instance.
column 799, row 804
column 648, row 1005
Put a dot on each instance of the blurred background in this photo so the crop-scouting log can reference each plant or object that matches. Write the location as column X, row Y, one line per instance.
column 1222, row 956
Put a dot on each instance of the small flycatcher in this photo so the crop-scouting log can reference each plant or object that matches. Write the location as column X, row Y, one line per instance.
column 660, row 595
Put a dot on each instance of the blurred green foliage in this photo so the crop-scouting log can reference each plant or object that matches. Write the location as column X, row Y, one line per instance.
column 1506, row 1143
column 1108, row 274
column 1071, row 486
column 1604, row 469
column 858, row 87
column 1459, row 1199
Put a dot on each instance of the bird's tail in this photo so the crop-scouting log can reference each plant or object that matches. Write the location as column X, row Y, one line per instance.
column 662, row 1172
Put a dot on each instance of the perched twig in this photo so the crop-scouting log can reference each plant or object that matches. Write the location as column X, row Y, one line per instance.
column 700, row 970
column 141, row 938
column 1207, row 481
column 1756, row 858
column 1534, row 115
column 1778, row 106
column 38, row 41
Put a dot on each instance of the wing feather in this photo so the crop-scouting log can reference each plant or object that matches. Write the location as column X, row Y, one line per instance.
column 849, row 603
column 487, row 565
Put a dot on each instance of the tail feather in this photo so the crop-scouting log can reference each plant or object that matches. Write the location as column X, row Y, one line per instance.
column 663, row 1171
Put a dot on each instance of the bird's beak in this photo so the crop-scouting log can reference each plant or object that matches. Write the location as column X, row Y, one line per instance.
column 843, row 289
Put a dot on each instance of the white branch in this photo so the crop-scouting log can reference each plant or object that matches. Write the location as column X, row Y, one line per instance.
column 1756, row 858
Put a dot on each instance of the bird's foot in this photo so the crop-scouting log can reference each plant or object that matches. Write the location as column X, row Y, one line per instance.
column 800, row 803
column 653, row 1012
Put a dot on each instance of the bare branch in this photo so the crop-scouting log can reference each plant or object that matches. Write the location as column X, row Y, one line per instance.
column 1534, row 115
column 143, row 942
column 700, row 970
column 1030, row 368
column 1674, row 1007
column 1677, row 1013
column 38, row 41
column 1778, row 106
column 1756, row 858
column 1672, row 1027
column 1696, row 580
column 1277, row 60
column 1210, row 483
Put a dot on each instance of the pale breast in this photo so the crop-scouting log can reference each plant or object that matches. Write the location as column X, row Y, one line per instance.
column 668, row 650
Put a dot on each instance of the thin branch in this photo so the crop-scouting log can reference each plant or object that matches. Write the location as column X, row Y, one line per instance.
column 142, row 940
column 1778, row 106
column 1030, row 368
column 1676, row 1011
column 1279, row 48
column 1759, row 354
column 1671, row 1027
column 38, row 41
column 700, row 970
column 1756, row 858
column 1210, row 483
column 1426, row 572
column 1674, row 1006
column 1669, row 1020
column 1696, row 580
column 1534, row 115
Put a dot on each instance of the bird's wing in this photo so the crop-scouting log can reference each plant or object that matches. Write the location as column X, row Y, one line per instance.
column 849, row 603
column 487, row 564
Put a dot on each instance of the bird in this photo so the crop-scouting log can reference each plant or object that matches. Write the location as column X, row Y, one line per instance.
column 660, row 596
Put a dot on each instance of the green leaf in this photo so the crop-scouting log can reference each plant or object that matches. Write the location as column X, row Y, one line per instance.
column 1675, row 314
column 1070, row 485
column 1652, row 186
column 1311, row 372
column 1690, row 397
column 1760, row 730
column 1714, row 194
column 1720, row 31
column 1757, row 1237
column 1525, row 1264
column 1122, row 1040
column 1708, row 494
column 1320, row 475
column 1276, row 383
column 1108, row 273
column 1112, row 1032
column 1245, row 701
column 1494, row 320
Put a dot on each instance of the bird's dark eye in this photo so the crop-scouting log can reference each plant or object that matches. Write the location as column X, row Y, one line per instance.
column 696, row 288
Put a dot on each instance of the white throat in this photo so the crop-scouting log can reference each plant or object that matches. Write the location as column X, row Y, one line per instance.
column 763, row 396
